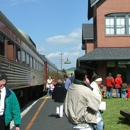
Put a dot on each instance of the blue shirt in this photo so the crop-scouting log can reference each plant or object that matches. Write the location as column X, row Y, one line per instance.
column 67, row 83
column 72, row 79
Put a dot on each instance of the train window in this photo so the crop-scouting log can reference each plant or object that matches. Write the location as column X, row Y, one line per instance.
column 30, row 61
column 10, row 50
column 2, row 39
column 37, row 65
column 27, row 60
column 41, row 67
column 18, row 54
column 23, row 58
column 34, row 65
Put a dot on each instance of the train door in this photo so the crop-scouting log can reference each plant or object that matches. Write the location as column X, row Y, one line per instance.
column 10, row 51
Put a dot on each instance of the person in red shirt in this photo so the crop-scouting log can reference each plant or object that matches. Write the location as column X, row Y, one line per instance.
column 128, row 93
column 109, row 84
column 118, row 84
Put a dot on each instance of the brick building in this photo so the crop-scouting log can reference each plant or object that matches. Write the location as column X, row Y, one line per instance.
column 107, row 41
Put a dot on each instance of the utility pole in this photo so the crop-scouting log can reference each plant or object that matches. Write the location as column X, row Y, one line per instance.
column 61, row 59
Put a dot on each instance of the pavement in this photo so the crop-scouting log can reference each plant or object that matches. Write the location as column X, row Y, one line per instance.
column 40, row 115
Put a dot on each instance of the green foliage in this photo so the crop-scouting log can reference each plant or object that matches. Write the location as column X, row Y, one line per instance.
column 64, row 71
column 112, row 118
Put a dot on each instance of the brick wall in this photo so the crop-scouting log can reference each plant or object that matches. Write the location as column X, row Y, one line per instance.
column 107, row 7
column 89, row 46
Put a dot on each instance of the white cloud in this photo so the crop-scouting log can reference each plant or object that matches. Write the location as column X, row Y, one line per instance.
column 72, row 38
column 69, row 45
column 59, row 59
column 41, row 49
column 78, row 47
column 52, row 55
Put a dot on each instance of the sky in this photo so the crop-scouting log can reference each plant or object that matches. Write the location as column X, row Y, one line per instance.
column 55, row 26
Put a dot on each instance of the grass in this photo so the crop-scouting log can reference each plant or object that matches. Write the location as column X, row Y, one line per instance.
column 112, row 118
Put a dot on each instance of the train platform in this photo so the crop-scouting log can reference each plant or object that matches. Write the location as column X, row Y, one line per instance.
column 40, row 115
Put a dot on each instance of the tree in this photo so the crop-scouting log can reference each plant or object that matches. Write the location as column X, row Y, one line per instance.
column 64, row 71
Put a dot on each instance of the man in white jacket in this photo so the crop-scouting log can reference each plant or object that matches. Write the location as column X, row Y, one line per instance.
column 81, row 104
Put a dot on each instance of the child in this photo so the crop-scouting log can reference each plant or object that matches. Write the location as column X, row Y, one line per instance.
column 123, row 90
column 52, row 86
column 128, row 94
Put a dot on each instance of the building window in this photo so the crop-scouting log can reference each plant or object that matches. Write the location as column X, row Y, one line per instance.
column 120, row 25
column 117, row 24
column 110, row 26
column 129, row 24
column 111, row 64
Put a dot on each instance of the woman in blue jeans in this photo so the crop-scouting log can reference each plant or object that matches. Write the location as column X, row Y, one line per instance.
column 118, row 84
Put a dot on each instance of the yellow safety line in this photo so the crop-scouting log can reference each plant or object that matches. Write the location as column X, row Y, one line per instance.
column 34, row 117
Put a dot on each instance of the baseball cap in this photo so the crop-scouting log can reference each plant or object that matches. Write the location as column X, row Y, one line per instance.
column 3, row 76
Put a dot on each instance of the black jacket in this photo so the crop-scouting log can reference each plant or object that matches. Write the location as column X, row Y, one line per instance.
column 59, row 93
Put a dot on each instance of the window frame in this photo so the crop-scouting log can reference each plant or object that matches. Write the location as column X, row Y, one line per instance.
column 116, row 27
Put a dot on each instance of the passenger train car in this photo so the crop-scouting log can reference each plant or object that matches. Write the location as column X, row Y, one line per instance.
column 26, row 69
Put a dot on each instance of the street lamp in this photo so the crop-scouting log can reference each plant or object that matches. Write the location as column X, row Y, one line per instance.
column 67, row 61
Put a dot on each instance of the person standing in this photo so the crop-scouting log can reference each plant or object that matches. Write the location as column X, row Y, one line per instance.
column 58, row 95
column 81, row 103
column 52, row 86
column 93, row 76
column 49, row 82
column 9, row 106
column 109, row 84
column 118, row 84
column 67, row 82
column 72, row 77
column 123, row 90
column 96, row 89
column 128, row 93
